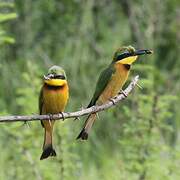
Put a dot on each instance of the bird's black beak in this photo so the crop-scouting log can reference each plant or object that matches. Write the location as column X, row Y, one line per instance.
column 142, row 51
column 52, row 76
column 48, row 77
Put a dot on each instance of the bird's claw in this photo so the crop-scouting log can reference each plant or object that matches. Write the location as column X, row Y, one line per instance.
column 63, row 118
column 112, row 100
column 122, row 92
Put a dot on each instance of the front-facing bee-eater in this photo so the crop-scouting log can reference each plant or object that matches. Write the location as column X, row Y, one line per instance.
column 52, row 100
column 111, row 81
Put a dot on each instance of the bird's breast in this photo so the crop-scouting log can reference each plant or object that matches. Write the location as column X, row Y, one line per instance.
column 54, row 98
column 116, row 83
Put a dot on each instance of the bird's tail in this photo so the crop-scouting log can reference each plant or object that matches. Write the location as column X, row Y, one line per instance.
column 48, row 147
column 87, row 127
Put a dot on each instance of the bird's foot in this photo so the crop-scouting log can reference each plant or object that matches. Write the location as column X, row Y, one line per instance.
column 62, row 114
column 112, row 100
column 122, row 92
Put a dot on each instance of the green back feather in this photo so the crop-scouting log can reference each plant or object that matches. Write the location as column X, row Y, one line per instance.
column 103, row 80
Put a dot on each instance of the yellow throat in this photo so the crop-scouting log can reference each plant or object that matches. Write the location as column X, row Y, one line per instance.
column 56, row 82
column 128, row 60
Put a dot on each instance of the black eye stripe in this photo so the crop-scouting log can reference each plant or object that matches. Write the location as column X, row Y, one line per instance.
column 124, row 55
column 59, row 77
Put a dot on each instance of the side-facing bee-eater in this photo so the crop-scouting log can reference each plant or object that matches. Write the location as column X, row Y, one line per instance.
column 111, row 81
column 52, row 100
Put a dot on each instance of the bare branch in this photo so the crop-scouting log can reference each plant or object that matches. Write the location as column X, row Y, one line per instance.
column 62, row 116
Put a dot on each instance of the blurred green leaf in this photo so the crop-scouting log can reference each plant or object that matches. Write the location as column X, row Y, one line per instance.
column 7, row 17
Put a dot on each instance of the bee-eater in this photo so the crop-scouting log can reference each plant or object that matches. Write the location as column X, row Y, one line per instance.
column 111, row 81
column 53, row 98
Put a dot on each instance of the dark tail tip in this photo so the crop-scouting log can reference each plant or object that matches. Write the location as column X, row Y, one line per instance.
column 48, row 151
column 83, row 135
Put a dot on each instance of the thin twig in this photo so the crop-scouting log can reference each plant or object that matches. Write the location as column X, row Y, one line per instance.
column 66, row 115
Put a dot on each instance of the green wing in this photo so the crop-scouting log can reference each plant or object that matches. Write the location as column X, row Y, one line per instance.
column 40, row 101
column 103, row 80
column 41, row 104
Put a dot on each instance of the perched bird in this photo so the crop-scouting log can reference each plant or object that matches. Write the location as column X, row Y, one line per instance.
column 111, row 81
column 52, row 100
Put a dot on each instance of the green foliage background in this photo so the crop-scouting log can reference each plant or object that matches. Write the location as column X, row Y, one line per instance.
column 138, row 139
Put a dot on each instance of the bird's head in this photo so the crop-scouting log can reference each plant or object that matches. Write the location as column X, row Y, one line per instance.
column 128, row 54
column 56, row 76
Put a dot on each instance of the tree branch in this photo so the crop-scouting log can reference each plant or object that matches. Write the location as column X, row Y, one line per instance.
column 65, row 115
